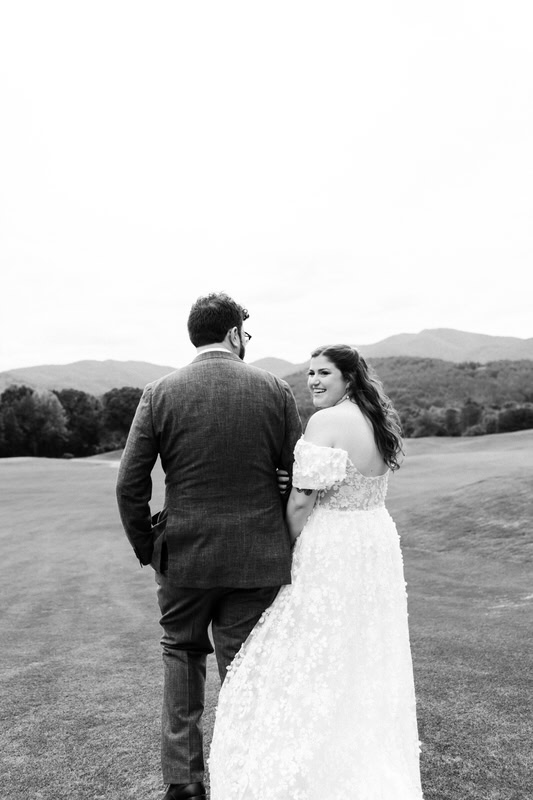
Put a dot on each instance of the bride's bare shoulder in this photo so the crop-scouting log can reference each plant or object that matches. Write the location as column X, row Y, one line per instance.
column 322, row 427
column 339, row 426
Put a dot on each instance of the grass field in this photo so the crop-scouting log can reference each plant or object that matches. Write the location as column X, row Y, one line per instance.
column 81, row 669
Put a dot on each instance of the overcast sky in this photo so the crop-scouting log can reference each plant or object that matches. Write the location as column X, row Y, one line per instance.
column 346, row 170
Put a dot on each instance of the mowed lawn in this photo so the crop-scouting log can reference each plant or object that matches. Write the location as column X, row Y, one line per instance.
column 80, row 658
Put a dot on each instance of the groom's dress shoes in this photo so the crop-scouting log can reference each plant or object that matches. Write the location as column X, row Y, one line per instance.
column 185, row 791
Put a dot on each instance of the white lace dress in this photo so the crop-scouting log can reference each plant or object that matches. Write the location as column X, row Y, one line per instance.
column 319, row 702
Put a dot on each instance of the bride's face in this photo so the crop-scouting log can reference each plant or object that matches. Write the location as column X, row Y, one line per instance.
column 325, row 381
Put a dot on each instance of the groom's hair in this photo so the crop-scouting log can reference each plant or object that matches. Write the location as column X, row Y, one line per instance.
column 212, row 316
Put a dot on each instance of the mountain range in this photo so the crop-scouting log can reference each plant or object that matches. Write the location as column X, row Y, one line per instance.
column 94, row 377
column 97, row 377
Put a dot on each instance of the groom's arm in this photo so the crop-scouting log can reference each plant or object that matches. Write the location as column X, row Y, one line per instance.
column 134, row 483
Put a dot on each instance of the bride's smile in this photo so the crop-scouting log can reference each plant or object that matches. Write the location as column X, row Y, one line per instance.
column 326, row 382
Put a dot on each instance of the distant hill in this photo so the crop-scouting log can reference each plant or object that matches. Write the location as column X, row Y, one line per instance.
column 451, row 345
column 278, row 366
column 97, row 377
column 445, row 344
column 94, row 377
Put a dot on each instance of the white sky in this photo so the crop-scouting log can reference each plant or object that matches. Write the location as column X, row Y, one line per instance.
column 346, row 170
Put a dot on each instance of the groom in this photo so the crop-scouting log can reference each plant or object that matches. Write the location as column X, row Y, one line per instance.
column 219, row 547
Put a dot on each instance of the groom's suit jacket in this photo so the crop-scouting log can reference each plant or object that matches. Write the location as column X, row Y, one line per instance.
column 221, row 428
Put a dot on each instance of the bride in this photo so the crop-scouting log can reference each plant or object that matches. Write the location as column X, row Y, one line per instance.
column 319, row 703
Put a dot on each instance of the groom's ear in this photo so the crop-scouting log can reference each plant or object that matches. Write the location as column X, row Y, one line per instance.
column 234, row 336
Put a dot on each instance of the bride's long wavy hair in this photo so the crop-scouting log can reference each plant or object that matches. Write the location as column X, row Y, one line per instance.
column 365, row 389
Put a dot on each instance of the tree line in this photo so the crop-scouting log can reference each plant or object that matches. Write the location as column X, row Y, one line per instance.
column 433, row 398
column 64, row 423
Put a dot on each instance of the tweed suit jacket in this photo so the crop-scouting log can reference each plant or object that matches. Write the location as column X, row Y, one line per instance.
column 221, row 428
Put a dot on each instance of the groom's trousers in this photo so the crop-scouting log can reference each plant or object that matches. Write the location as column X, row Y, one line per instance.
column 185, row 618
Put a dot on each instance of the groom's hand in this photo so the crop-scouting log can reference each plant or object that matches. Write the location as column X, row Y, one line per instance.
column 283, row 480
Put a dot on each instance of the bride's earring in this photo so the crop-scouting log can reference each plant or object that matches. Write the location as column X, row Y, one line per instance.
column 345, row 396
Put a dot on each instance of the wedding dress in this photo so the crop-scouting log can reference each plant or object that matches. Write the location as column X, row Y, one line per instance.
column 319, row 702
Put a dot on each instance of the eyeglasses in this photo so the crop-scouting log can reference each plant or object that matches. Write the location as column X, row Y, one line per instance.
column 247, row 336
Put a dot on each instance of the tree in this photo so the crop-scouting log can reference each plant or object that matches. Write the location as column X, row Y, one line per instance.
column 426, row 424
column 515, row 419
column 452, row 422
column 490, row 421
column 471, row 414
column 408, row 417
column 14, row 436
column 12, row 441
column 34, row 423
column 45, row 423
column 13, row 395
column 83, row 413
column 119, row 406
column 475, row 430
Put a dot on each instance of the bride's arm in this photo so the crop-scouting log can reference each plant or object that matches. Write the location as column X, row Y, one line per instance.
column 300, row 505
column 319, row 431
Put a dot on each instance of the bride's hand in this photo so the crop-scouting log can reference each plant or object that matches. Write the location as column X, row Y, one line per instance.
column 283, row 480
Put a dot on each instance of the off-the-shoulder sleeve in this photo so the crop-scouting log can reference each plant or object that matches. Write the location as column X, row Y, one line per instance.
column 317, row 467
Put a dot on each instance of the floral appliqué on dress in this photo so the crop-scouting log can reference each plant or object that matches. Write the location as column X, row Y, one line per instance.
column 322, row 690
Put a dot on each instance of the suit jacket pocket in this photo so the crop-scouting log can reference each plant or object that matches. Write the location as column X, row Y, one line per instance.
column 160, row 552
